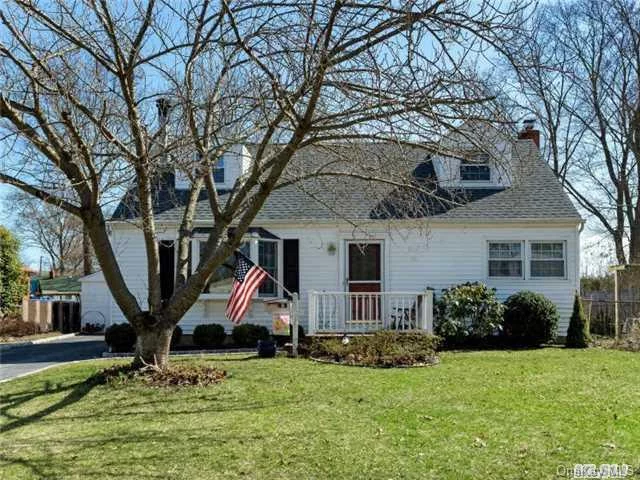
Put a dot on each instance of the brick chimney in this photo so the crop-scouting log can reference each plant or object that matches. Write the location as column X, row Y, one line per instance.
column 529, row 132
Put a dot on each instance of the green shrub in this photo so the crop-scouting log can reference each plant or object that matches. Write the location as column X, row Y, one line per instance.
column 120, row 337
column 382, row 349
column 467, row 313
column 176, row 336
column 247, row 335
column 578, row 332
column 13, row 285
column 530, row 319
column 210, row 335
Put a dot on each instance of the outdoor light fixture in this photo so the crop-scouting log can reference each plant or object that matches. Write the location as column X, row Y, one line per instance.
column 345, row 340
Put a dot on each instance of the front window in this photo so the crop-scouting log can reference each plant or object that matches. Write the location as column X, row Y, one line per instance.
column 221, row 280
column 218, row 171
column 470, row 172
column 505, row 259
column 268, row 260
column 548, row 259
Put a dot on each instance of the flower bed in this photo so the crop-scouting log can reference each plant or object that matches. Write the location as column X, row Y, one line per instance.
column 382, row 349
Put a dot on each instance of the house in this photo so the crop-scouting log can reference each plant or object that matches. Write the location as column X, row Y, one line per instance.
column 360, row 255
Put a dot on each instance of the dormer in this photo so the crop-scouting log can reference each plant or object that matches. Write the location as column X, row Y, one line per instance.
column 232, row 164
column 476, row 159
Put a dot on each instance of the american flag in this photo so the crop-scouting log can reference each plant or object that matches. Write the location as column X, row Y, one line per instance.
column 247, row 278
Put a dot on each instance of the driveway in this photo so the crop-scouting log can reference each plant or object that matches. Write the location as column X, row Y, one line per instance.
column 18, row 361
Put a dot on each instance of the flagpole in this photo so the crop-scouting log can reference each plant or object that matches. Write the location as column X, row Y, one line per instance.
column 293, row 306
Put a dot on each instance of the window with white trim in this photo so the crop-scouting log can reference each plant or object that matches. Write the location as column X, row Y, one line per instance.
column 505, row 259
column 218, row 170
column 268, row 260
column 222, row 278
column 548, row 259
column 476, row 170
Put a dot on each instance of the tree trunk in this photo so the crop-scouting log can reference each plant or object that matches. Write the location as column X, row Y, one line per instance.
column 152, row 347
column 87, row 263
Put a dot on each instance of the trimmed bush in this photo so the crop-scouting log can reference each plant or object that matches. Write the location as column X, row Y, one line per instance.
column 468, row 313
column 210, row 335
column 120, row 337
column 530, row 319
column 578, row 332
column 382, row 349
column 247, row 335
column 176, row 336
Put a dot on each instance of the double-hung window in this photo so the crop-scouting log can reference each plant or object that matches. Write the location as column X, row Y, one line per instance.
column 477, row 170
column 222, row 278
column 264, row 252
column 548, row 259
column 505, row 259
column 218, row 170
column 268, row 260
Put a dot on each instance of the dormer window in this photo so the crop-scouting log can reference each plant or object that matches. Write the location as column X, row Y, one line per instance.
column 218, row 171
column 476, row 170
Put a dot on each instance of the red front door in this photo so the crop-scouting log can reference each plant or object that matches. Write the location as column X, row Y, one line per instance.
column 364, row 275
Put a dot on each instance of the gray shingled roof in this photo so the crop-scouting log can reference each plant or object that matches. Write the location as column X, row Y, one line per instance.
column 534, row 195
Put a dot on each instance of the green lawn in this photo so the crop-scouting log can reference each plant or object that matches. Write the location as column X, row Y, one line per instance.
column 477, row 415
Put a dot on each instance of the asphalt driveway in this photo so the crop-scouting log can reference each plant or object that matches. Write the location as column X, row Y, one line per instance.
column 20, row 360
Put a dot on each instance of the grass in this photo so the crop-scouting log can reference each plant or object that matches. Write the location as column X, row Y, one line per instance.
column 490, row 414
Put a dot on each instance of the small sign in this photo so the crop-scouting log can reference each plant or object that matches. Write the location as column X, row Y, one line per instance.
column 281, row 322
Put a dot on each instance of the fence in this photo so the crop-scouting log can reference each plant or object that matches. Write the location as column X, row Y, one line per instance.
column 62, row 316
column 602, row 317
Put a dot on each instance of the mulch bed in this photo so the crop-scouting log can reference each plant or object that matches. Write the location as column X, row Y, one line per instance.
column 172, row 376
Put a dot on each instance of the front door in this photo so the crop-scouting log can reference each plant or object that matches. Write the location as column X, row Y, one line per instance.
column 364, row 281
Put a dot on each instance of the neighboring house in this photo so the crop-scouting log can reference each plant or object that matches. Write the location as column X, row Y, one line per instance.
column 61, row 288
column 361, row 256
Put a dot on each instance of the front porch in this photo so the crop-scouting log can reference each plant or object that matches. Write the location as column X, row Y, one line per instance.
column 364, row 312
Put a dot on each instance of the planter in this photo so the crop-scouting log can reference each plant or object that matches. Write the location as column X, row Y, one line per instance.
column 266, row 348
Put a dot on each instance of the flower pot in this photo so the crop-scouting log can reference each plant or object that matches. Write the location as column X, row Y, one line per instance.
column 266, row 348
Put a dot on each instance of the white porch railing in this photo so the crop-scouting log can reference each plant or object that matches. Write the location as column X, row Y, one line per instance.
column 350, row 312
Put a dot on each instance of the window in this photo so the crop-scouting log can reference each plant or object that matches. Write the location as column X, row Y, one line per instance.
column 477, row 170
column 218, row 171
column 505, row 259
column 221, row 280
column 548, row 259
column 268, row 260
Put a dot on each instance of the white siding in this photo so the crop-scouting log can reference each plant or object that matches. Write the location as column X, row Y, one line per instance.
column 438, row 256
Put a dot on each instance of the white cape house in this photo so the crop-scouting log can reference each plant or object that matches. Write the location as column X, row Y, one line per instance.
column 361, row 261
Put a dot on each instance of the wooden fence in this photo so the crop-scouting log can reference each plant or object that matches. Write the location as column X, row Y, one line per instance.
column 62, row 316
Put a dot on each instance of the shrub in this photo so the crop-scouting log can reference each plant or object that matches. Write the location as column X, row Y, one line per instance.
column 578, row 332
column 13, row 284
column 210, row 335
column 120, row 337
column 530, row 319
column 92, row 327
column 176, row 336
column 382, row 349
column 467, row 313
column 247, row 335
column 15, row 327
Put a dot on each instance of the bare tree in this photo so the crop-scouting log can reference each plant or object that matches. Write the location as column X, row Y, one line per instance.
column 56, row 232
column 81, row 82
column 579, row 73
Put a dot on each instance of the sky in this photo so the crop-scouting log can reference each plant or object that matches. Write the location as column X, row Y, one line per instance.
column 594, row 245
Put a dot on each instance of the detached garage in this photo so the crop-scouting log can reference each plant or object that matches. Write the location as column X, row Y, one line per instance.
column 95, row 300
